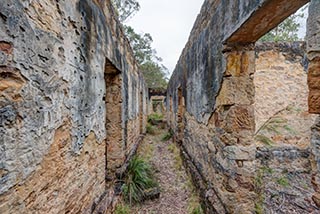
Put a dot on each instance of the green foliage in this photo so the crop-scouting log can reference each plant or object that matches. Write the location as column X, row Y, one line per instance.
column 258, row 208
column 197, row 210
column 265, row 140
column 139, row 179
column 289, row 129
column 286, row 31
column 150, row 129
column 155, row 119
column 274, row 125
column 266, row 170
column 283, row 181
column 126, row 8
column 259, row 186
column 155, row 116
column 154, row 74
column 150, row 64
column 141, row 45
column 167, row 136
column 122, row 209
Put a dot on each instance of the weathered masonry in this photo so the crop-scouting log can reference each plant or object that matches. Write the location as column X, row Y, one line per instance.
column 210, row 103
column 72, row 105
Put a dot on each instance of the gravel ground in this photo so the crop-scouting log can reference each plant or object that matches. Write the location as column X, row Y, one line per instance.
column 176, row 190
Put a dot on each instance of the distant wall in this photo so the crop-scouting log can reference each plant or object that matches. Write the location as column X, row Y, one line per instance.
column 280, row 79
column 156, row 105
column 54, row 56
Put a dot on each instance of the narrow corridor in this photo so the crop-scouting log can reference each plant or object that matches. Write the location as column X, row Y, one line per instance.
column 177, row 194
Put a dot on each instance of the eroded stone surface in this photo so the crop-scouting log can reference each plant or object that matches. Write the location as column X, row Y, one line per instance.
column 313, row 51
column 215, row 73
column 53, row 59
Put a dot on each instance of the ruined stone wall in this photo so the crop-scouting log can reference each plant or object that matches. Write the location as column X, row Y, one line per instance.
column 313, row 53
column 211, row 94
column 156, row 105
column 54, row 56
column 280, row 80
column 283, row 128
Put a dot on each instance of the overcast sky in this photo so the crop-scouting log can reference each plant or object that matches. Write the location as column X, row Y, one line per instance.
column 169, row 22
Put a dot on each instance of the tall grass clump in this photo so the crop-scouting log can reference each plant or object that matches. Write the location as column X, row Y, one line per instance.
column 139, row 179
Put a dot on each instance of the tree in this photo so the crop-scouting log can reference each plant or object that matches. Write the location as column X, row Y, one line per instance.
column 287, row 30
column 126, row 8
column 150, row 64
column 154, row 74
column 141, row 45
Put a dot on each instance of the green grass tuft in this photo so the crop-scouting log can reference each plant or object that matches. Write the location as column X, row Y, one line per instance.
column 197, row 210
column 155, row 119
column 155, row 116
column 150, row 129
column 258, row 208
column 283, row 181
column 139, row 179
column 122, row 209
column 265, row 140
column 167, row 136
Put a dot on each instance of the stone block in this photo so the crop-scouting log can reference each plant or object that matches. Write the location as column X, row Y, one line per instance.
column 314, row 67
column 240, row 118
column 314, row 82
column 236, row 90
column 240, row 63
column 314, row 101
column 240, row 152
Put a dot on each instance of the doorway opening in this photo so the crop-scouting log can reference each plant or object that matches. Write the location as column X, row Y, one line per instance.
column 180, row 115
column 113, row 101
column 283, row 124
column 141, row 112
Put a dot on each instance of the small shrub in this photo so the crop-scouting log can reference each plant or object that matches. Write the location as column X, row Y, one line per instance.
column 167, row 136
column 258, row 208
column 197, row 210
column 266, row 170
column 122, row 209
column 283, row 181
column 155, row 118
column 139, row 179
column 150, row 129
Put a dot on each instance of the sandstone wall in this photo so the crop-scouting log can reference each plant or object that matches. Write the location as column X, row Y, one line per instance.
column 211, row 94
column 283, row 128
column 313, row 53
column 280, row 81
column 156, row 105
column 54, row 57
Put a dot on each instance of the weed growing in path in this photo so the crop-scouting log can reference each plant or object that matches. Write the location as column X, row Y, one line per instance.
column 122, row 209
column 139, row 179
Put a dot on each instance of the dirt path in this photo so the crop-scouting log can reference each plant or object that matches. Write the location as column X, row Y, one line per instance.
column 176, row 195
